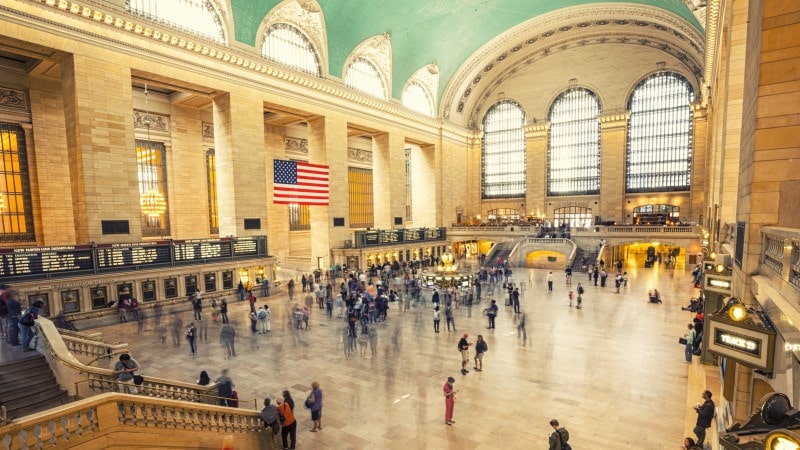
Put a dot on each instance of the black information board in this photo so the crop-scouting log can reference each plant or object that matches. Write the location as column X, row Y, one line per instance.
column 245, row 246
column 125, row 255
column 201, row 250
column 45, row 260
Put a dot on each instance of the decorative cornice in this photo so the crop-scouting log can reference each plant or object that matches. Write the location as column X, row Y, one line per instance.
column 13, row 100
column 296, row 145
column 537, row 129
column 217, row 54
column 613, row 118
column 359, row 155
column 529, row 35
column 158, row 123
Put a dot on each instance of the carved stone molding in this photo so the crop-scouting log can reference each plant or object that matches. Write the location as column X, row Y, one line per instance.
column 13, row 100
column 296, row 145
column 359, row 155
column 306, row 17
column 613, row 120
column 208, row 130
column 158, row 123
column 378, row 51
column 539, row 35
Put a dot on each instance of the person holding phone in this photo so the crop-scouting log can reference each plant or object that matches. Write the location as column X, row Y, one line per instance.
column 449, row 400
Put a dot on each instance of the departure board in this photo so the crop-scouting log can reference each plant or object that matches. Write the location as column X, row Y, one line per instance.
column 245, row 246
column 201, row 250
column 46, row 260
column 112, row 256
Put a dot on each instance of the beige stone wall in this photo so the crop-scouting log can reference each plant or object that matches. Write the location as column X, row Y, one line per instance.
column 613, row 145
column 186, row 175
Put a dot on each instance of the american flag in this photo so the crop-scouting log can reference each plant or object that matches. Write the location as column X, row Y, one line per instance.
column 300, row 183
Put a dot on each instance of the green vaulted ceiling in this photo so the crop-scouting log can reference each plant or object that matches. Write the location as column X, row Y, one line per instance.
column 422, row 31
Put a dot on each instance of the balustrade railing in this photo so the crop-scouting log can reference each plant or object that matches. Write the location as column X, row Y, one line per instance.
column 780, row 253
column 69, row 370
column 97, row 417
column 92, row 348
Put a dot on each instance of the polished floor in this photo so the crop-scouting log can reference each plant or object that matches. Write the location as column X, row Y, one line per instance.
column 612, row 373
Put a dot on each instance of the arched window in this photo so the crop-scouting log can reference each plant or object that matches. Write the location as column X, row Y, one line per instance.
column 573, row 151
column 503, row 155
column 16, row 210
column 362, row 75
column 286, row 45
column 416, row 98
column 659, row 155
column 198, row 17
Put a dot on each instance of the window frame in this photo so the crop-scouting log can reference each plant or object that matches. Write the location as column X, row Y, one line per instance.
column 503, row 161
column 293, row 63
column 353, row 83
column 15, row 186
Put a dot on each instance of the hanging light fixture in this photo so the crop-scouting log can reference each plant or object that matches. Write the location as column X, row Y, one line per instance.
column 152, row 202
column 2, row 202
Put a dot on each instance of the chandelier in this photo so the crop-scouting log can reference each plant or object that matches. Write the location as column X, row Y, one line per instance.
column 2, row 202
column 152, row 202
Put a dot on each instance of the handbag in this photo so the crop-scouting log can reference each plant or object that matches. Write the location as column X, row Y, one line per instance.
column 309, row 403
column 682, row 341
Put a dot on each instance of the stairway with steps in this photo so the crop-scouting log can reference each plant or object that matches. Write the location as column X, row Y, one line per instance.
column 28, row 386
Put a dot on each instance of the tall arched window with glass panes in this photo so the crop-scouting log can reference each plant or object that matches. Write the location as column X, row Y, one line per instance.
column 503, row 152
column 416, row 98
column 362, row 75
column 573, row 150
column 659, row 150
column 285, row 44
column 198, row 17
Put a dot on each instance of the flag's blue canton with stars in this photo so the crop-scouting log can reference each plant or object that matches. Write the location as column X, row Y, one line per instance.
column 299, row 182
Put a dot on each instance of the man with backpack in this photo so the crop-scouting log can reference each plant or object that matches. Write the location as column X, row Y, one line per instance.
column 559, row 438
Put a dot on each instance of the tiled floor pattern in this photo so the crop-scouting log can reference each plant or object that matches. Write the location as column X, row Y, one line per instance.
column 612, row 372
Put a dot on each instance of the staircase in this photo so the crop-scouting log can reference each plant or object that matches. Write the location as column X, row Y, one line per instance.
column 28, row 386
column 500, row 250
column 577, row 263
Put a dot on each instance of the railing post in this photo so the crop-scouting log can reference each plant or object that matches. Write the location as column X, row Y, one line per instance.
column 786, row 260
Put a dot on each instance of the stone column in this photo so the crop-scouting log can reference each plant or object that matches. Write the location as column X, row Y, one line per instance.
column 613, row 148
column 98, row 109
column 536, row 167
column 388, row 178
column 698, row 195
column 186, row 173
column 55, row 224
column 327, row 144
column 278, row 215
column 241, row 163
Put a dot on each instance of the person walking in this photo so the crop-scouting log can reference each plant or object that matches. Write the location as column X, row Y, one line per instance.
column 449, row 400
column 515, row 300
column 580, row 296
column 480, row 348
column 705, row 413
column 197, row 306
column 550, row 281
column 177, row 328
column 521, row 327
column 288, row 422
column 191, row 336
column 316, row 407
column 436, row 319
column 262, row 320
column 689, row 344
column 448, row 315
column 225, row 389
column 26, row 323
column 227, row 337
column 559, row 437
column 14, row 312
column 491, row 313
column 223, row 311
column 267, row 325
column 463, row 347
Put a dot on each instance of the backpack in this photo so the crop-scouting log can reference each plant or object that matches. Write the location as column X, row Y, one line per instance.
column 580, row 290
column 262, row 314
column 563, row 437
column 27, row 318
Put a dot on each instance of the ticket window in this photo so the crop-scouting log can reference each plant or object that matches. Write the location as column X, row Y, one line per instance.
column 227, row 279
column 125, row 291
column 41, row 297
column 148, row 290
column 99, row 296
column 70, row 301
column 170, row 287
column 210, row 282
column 190, row 283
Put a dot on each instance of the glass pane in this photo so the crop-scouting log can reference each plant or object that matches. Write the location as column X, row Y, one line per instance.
column 659, row 151
column 363, row 76
column 503, row 153
column 286, row 45
column 197, row 17
column 573, row 153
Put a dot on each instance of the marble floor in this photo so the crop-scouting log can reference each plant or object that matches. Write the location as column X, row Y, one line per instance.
column 612, row 373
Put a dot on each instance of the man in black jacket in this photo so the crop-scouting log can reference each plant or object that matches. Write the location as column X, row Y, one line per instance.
column 705, row 412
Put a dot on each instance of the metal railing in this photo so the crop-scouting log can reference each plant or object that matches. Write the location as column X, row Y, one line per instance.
column 780, row 253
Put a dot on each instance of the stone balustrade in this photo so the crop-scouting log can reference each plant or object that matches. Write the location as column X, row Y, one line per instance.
column 140, row 420
column 91, row 348
column 780, row 253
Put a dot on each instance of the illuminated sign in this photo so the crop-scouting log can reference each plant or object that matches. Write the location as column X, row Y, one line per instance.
column 737, row 342
column 750, row 344
column 720, row 283
column 717, row 283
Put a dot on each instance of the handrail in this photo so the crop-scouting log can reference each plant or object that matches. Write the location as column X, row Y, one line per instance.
column 96, row 349
column 161, row 392
column 67, row 368
column 86, row 420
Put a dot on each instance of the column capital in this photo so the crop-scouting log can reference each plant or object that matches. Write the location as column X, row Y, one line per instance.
column 537, row 130
column 614, row 119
